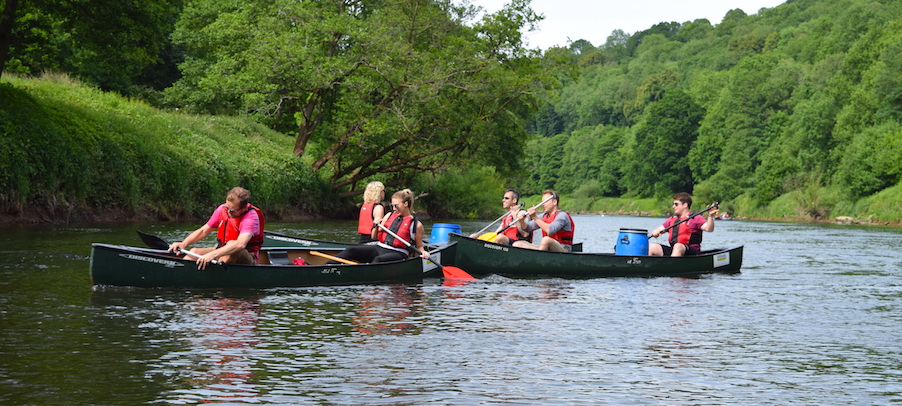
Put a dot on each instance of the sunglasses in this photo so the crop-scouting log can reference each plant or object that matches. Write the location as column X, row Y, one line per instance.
column 677, row 203
column 506, row 198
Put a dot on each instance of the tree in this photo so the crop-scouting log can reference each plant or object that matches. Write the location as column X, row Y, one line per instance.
column 659, row 165
column 391, row 87
column 113, row 44
column 7, row 19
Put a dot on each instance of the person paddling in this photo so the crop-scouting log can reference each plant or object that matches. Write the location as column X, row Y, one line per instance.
column 403, row 223
column 557, row 226
column 508, row 235
column 686, row 238
column 239, row 235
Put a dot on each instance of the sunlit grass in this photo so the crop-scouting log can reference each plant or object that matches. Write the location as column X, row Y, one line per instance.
column 71, row 147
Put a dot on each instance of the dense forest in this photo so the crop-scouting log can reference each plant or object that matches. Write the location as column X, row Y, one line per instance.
column 796, row 108
column 805, row 95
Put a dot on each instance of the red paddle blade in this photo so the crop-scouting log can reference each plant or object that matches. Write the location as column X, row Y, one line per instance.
column 453, row 272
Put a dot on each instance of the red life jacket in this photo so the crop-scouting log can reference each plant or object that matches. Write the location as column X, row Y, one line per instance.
column 683, row 234
column 229, row 229
column 562, row 236
column 513, row 233
column 404, row 227
column 365, row 219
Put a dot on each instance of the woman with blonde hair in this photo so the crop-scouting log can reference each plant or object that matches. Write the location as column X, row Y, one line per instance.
column 370, row 210
column 401, row 222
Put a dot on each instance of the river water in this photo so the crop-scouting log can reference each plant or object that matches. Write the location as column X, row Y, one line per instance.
column 814, row 318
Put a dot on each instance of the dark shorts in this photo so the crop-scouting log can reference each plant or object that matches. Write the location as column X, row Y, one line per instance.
column 693, row 249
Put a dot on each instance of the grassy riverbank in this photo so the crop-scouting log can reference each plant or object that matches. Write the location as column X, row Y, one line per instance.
column 75, row 153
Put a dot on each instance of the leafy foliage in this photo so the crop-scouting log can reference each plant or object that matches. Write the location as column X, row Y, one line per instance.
column 390, row 87
column 769, row 109
column 796, row 100
column 117, row 45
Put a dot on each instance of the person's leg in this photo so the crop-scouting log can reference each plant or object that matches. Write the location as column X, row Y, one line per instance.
column 678, row 250
column 550, row 244
column 502, row 239
column 524, row 244
column 240, row 257
column 386, row 255
column 655, row 250
column 359, row 253
column 202, row 251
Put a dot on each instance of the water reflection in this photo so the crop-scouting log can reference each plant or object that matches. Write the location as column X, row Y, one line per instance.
column 391, row 310
column 217, row 355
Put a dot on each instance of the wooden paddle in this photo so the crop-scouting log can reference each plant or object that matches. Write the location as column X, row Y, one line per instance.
column 491, row 236
column 447, row 271
column 334, row 258
column 158, row 243
column 712, row 206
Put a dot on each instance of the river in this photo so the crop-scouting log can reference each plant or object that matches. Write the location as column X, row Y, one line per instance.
column 814, row 318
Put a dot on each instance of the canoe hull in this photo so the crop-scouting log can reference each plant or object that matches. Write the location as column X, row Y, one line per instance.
column 481, row 257
column 116, row 265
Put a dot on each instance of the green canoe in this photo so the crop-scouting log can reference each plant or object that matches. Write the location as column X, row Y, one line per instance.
column 117, row 265
column 481, row 257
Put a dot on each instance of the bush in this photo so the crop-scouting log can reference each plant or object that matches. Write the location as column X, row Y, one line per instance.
column 469, row 193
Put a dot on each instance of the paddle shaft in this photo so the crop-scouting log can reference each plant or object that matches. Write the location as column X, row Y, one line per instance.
column 407, row 243
column 193, row 255
column 157, row 242
column 447, row 271
column 496, row 220
column 334, row 258
column 516, row 220
column 712, row 206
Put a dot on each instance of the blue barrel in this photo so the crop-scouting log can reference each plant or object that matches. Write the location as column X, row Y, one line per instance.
column 440, row 232
column 632, row 242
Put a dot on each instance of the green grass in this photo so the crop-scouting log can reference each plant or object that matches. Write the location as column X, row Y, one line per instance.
column 71, row 148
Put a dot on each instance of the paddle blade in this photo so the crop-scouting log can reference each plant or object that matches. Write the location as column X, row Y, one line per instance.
column 153, row 241
column 453, row 272
column 488, row 237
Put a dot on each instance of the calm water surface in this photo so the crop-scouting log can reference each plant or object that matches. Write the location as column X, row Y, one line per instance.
column 813, row 319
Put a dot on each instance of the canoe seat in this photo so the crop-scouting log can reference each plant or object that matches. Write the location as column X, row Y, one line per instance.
column 278, row 257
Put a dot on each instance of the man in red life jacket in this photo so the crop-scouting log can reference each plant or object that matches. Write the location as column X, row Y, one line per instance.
column 557, row 226
column 239, row 226
column 517, row 232
column 686, row 238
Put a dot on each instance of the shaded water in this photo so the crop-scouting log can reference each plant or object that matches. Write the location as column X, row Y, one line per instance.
column 813, row 318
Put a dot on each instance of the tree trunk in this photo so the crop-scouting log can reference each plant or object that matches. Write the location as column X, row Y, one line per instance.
column 6, row 31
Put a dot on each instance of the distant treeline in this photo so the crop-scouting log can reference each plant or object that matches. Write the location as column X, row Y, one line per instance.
column 804, row 99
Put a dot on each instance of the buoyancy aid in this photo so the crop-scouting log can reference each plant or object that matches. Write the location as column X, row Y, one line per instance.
column 404, row 227
column 365, row 219
column 565, row 237
column 683, row 234
column 229, row 228
column 512, row 233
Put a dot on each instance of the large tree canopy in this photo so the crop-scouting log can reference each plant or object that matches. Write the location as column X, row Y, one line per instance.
column 368, row 87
